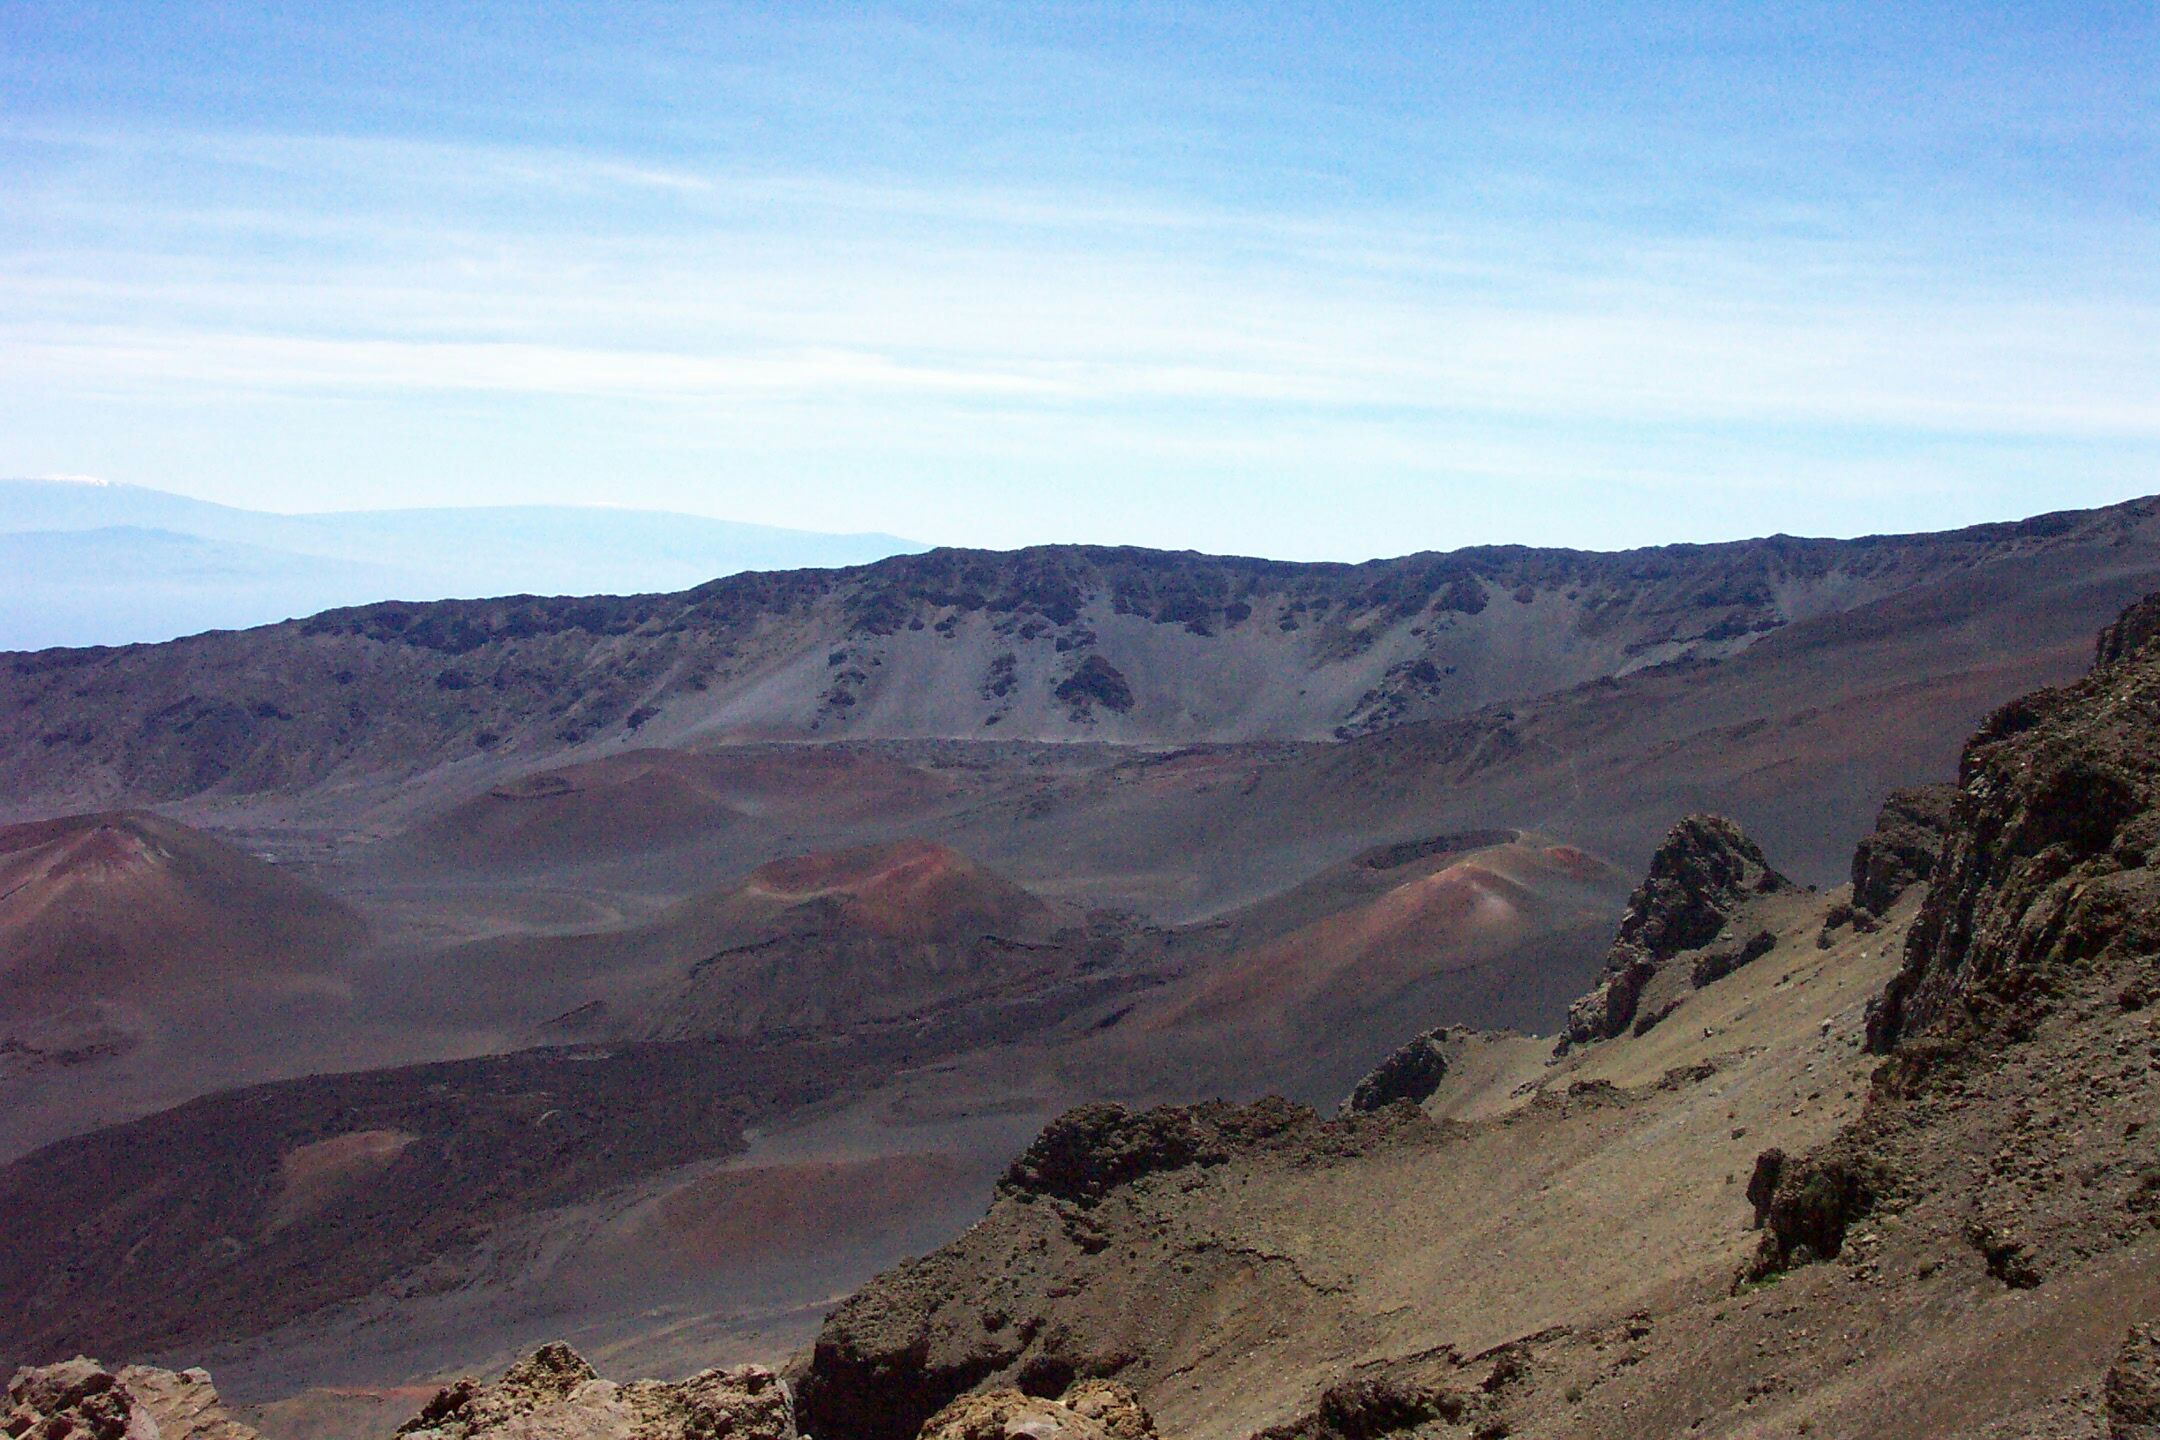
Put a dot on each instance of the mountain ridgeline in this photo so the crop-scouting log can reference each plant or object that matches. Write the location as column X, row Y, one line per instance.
column 1057, row 643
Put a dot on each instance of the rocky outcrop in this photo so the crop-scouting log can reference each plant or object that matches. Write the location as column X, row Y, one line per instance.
column 1089, row 1151
column 1089, row 1410
column 80, row 1399
column 1096, row 682
column 1900, row 852
column 2007, row 1120
column 1701, row 879
column 2047, row 861
column 1090, row 1261
column 2131, row 1388
column 2130, row 632
column 75, row 1397
column 1805, row 1211
column 1367, row 1408
column 552, row 1394
column 1412, row 1073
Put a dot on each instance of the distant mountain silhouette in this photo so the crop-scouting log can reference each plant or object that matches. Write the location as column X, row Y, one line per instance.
column 109, row 564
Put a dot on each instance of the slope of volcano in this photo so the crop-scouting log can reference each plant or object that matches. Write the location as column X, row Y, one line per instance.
column 127, row 904
column 138, row 956
column 1489, row 928
column 819, row 943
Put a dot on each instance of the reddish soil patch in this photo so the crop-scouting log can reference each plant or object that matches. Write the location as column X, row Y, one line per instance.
column 911, row 889
column 748, row 1215
column 312, row 1176
column 1577, row 864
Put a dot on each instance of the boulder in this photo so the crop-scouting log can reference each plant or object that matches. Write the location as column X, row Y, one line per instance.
column 1090, row 1410
column 184, row 1403
column 81, row 1399
column 1412, row 1073
column 553, row 1394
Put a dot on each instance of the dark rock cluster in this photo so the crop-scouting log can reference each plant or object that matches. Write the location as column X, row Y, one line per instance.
column 1900, row 852
column 1088, row 1152
column 1412, row 1073
column 1700, row 880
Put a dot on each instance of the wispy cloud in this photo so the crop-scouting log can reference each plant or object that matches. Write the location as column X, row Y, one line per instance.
column 1608, row 322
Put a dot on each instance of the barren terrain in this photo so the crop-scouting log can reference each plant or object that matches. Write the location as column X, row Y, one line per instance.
column 431, row 981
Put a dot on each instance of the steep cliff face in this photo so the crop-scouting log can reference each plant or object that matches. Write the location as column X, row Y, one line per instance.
column 2048, row 860
column 2011, row 1108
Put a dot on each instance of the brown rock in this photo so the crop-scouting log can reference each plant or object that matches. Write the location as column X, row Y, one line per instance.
column 1412, row 1073
column 1090, row 1410
column 553, row 1394
column 2132, row 1387
column 76, row 1398
column 184, row 1403
column 1900, row 852
column 1089, row 1151
column 2046, row 861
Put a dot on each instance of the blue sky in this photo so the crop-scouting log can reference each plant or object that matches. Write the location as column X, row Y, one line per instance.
column 1236, row 278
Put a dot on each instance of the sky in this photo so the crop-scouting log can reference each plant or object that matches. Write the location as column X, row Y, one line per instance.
column 1317, row 282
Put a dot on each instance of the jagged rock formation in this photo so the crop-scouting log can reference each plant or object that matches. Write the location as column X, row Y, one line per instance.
column 2017, row 1027
column 81, row 1398
column 2047, row 859
column 1701, row 880
column 184, row 1403
column 1089, row 1410
column 77, row 1396
column 1900, row 852
column 552, row 1394
column 1411, row 1073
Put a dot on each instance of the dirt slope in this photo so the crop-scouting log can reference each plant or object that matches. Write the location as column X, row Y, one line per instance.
column 1492, row 928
